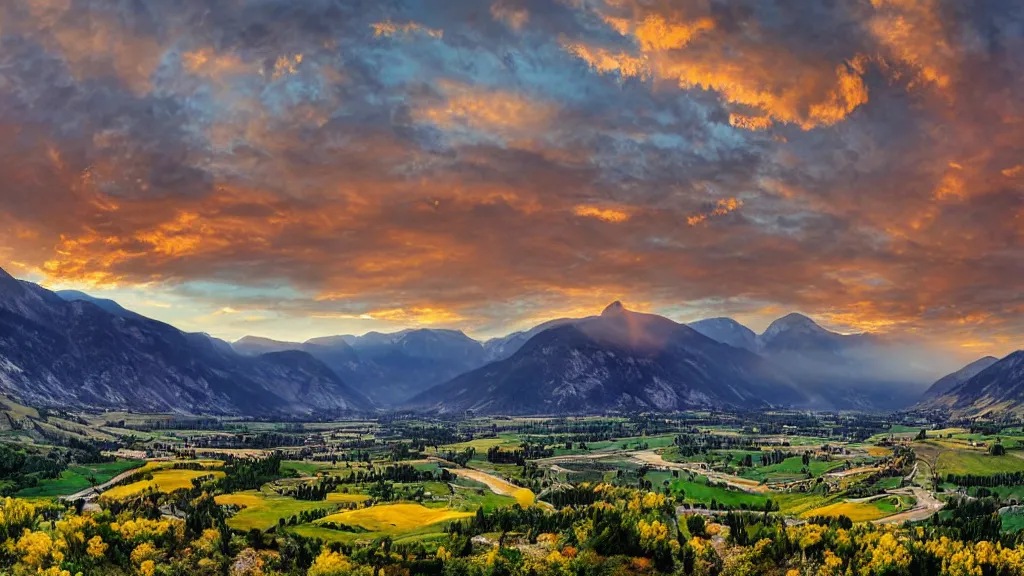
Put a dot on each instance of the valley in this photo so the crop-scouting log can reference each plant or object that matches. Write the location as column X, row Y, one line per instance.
column 428, row 494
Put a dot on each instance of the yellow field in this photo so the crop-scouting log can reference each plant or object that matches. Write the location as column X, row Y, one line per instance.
column 856, row 511
column 166, row 481
column 262, row 511
column 878, row 451
column 242, row 500
column 524, row 496
column 394, row 518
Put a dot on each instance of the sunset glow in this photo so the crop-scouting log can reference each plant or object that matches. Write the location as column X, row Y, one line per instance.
column 301, row 169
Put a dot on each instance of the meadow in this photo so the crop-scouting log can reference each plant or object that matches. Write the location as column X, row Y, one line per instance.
column 77, row 478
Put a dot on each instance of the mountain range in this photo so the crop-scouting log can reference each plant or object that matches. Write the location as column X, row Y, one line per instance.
column 388, row 368
column 72, row 352
column 620, row 360
column 835, row 371
column 70, row 349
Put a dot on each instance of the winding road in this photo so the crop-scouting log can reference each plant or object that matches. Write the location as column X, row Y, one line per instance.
column 927, row 505
column 90, row 493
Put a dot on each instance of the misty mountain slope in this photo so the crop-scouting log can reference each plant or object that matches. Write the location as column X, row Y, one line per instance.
column 727, row 331
column 620, row 360
column 835, row 371
column 388, row 368
column 414, row 360
column 59, row 353
column 946, row 383
column 501, row 348
column 997, row 390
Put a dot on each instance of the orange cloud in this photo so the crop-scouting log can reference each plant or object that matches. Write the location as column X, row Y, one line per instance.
column 820, row 100
column 913, row 34
column 784, row 87
column 722, row 207
column 607, row 214
column 655, row 33
column 605, row 61
column 1013, row 171
column 753, row 123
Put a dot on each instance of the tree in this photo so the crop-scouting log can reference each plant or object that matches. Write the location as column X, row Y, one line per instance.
column 695, row 525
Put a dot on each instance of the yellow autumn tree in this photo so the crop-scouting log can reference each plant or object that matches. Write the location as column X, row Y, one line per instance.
column 96, row 548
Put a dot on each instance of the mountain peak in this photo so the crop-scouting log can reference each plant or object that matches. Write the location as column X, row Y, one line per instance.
column 793, row 322
column 727, row 331
column 613, row 308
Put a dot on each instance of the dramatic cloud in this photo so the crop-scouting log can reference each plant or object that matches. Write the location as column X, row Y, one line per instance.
column 294, row 169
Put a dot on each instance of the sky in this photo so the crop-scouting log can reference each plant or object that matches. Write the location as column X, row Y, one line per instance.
column 298, row 169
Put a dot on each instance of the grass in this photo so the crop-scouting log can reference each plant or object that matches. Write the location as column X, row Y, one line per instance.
column 699, row 491
column 481, row 445
column 468, row 499
column 76, row 479
column 262, row 512
column 1013, row 521
column 393, row 518
column 165, row 481
column 977, row 463
column 888, row 483
column 626, row 443
column 1005, row 493
column 797, row 503
column 789, row 469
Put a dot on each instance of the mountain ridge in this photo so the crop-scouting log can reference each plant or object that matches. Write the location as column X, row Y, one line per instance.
column 60, row 353
column 995, row 389
column 620, row 360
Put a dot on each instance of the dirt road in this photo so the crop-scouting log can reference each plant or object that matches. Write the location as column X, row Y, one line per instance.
column 927, row 505
column 90, row 493
column 524, row 496
column 652, row 458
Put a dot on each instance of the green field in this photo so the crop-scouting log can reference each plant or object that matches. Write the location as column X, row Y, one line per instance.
column 258, row 510
column 789, row 469
column 978, row 463
column 699, row 491
column 888, row 483
column 76, row 479
column 1013, row 521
